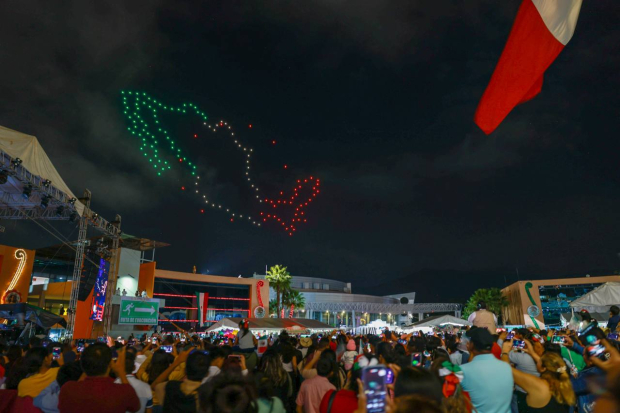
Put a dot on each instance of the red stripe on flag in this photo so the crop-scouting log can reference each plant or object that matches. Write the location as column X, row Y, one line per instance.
column 205, row 305
column 518, row 76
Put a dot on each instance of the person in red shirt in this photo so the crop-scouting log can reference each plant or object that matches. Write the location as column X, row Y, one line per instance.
column 97, row 392
column 345, row 400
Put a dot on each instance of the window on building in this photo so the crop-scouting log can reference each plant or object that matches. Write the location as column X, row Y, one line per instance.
column 326, row 286
column 317, row 286
column 306, row 286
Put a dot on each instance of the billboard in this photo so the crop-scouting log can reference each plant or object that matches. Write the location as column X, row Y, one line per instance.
column 101, row 286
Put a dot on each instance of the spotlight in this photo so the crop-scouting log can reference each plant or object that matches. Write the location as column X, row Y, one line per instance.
column 45, row 201
column 27, row 191
column 60, row 210
column 73, row 217
column 47, row 183
column 3, row 177
column 16, row 162
column 72, row 201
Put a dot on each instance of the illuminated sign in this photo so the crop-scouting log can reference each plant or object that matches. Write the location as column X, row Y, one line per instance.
column 101, row 286
column 22, row 257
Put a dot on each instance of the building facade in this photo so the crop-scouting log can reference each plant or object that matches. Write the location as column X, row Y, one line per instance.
column 333, row 302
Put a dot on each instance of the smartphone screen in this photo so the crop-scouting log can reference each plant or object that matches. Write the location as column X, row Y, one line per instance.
column 558, row 340
column 597, row 350
column 182, row 339
column 167, row 349
column 56, row 353
column 154, row 340
column 389, row 377
column 518, row 344
column 612, row 336
column 403, row 342
column 80, row 346
column 416, row 359
column 374, row 387
column 510, row 335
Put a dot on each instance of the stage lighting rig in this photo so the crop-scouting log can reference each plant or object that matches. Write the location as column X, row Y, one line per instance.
column 3, row 177
column 72, row 201
column 73, row 217
column 16, row 162
column 60, row 210
column 27, row 191
column 47, row 183
column 45, row 201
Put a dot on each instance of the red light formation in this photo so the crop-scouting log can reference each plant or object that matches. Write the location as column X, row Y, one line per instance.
column 250, row 126
column 273, row 142
column 303, row 193
column 182, row 188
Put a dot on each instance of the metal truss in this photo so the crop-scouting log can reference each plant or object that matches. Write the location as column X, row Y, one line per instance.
column 77, row 273
column 112, row 278
column 13, row 206
column 383, row 308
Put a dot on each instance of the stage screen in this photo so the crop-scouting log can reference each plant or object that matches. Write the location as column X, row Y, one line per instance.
column 101, row 285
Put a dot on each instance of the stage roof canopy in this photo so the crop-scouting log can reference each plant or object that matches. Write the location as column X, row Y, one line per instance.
column 35, row 160
column 600, row 299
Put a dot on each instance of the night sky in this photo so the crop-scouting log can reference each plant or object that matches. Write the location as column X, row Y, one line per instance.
column 375, row 98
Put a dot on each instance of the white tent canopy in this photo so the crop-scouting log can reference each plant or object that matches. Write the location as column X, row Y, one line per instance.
column 439, row 320
column 34, row 159
column 600, row 299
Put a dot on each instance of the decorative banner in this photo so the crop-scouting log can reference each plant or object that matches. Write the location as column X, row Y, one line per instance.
column 101, row 286
column 20, row 255
column 259, row 310
column 134, row 310
column 202, row 299
column 533, row 311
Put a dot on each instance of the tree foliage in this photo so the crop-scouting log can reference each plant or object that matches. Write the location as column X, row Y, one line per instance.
column 280, row 280
column 493, row 298
column 293, row 299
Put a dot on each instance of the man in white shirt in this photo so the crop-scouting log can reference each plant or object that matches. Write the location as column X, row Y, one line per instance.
column 483, row 318
column 143, row 390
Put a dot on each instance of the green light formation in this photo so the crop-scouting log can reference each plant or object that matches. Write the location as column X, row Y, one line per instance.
column 141, row 112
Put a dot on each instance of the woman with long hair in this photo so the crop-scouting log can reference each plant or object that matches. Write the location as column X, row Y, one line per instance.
column 152, row 368
column 271, row 368
column 551, row 392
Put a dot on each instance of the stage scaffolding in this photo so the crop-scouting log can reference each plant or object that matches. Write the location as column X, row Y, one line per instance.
column 46, row 202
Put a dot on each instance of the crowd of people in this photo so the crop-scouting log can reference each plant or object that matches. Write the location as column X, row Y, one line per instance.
column 459, row 370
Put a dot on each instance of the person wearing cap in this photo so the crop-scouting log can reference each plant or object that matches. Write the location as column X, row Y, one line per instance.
column 488, row 380
column 483, row 318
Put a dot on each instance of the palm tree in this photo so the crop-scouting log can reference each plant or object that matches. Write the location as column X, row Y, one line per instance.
column 293, row 299
column 280, row 280
column 273, row 307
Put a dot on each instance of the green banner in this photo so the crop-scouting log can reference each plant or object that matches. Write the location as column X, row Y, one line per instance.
column 138, row 311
